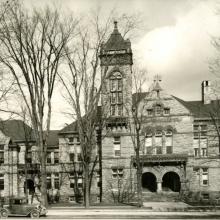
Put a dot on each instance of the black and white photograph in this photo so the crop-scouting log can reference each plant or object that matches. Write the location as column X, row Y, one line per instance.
column 110, row 109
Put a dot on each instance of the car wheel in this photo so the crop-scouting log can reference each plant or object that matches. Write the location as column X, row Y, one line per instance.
column 35, row 214
column 4, row 213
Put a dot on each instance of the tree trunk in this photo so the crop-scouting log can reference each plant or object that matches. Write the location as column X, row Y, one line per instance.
column 43, row 174
column 139, row 171
column 86, row 186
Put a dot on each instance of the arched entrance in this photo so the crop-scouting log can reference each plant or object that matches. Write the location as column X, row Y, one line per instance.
column 30, row 186
column 171, row 182
column 149, row 182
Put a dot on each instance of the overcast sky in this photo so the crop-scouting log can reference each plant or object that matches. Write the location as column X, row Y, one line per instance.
column 174, row 40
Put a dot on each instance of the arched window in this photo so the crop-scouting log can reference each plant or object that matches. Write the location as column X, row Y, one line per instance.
column 116, row 99
column 158, row 109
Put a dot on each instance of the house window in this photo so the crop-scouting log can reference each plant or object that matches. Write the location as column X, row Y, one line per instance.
column 1, row 181
column 149, row 112
column 159, row 150
column 72, row 179
column 166, row 111
column 70, row 139
column 117, row 173
column 204, row 152
column 117, row 146
column 158, row 142
column 49, row 185
column 200, row 142
column 196, row 152
column 56, row 157
column 72, row 157
column 79, row 157
column 169, row 142
column 116, row 99
column 205, row 196
column 204, row 176
column 148, row 144
column 56, row 181
column 49, row 157
column 200, row 131
column 158, row 109
column 1, row 157
column 29, row 157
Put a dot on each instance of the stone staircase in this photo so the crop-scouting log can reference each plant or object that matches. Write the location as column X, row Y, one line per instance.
column 161, row 197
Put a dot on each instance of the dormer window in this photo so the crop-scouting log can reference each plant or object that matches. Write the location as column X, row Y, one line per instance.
column 158, row 109
column 166, row 111
column 116, row 99
column 149, row 112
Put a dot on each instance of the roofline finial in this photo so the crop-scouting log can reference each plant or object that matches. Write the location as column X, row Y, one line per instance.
column 115, row 25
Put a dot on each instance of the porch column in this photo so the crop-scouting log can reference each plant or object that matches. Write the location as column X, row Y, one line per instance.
column 159, row 186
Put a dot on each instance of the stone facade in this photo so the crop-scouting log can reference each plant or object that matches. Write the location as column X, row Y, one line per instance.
column 179, row 151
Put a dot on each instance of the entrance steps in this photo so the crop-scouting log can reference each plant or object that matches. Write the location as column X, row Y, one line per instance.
column 160, row 197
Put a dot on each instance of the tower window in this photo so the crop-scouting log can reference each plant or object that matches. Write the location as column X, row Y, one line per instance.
column 117, row 146
column 1, row 181
column 116, row 99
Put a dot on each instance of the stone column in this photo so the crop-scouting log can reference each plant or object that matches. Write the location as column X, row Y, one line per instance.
column 159, row 186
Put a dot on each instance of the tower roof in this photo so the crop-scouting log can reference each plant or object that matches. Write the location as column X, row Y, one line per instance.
column 116, row 41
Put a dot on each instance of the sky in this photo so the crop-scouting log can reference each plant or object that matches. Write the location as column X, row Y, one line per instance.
column 174, row 41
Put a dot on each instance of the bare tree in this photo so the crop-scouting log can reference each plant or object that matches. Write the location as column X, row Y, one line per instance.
column 32, row 47
column 137, row 108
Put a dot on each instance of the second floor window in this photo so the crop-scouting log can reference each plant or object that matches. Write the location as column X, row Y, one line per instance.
column 56, row 181
column 29, row 157
column 49, row 185
column 1, row 157
column 56, row 157
column 1, row 181
column 117, row 146
column 49, row 157
column 159, row 143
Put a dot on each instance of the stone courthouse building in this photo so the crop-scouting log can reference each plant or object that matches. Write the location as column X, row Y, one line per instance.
column 179, row 151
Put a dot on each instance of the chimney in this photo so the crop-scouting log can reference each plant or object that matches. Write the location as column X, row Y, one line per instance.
column 206, row 92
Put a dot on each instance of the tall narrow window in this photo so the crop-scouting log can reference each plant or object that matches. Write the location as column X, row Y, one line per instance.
column 49, row 185
column 29, row 157
column 56, row 157
column 1, row 157
column 204, row 176
column 158, row 109
column 56, row 181
column 169, row 142
column 72, row 157
column 158, row 142
column 1, row 181
column 116, row 99
column 200, row 141
column 49, row 157
column 117, row 146
column 148, row 144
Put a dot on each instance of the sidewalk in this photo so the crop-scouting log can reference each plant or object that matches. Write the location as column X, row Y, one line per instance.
column 128, row 214
column 150, row 211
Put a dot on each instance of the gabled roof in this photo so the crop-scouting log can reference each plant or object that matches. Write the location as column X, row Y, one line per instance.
column 73, row 127
column 198, row 108
column 116, row 41
column 17, row 130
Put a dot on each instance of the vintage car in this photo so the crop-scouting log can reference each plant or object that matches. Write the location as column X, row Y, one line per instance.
column 19, row 207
